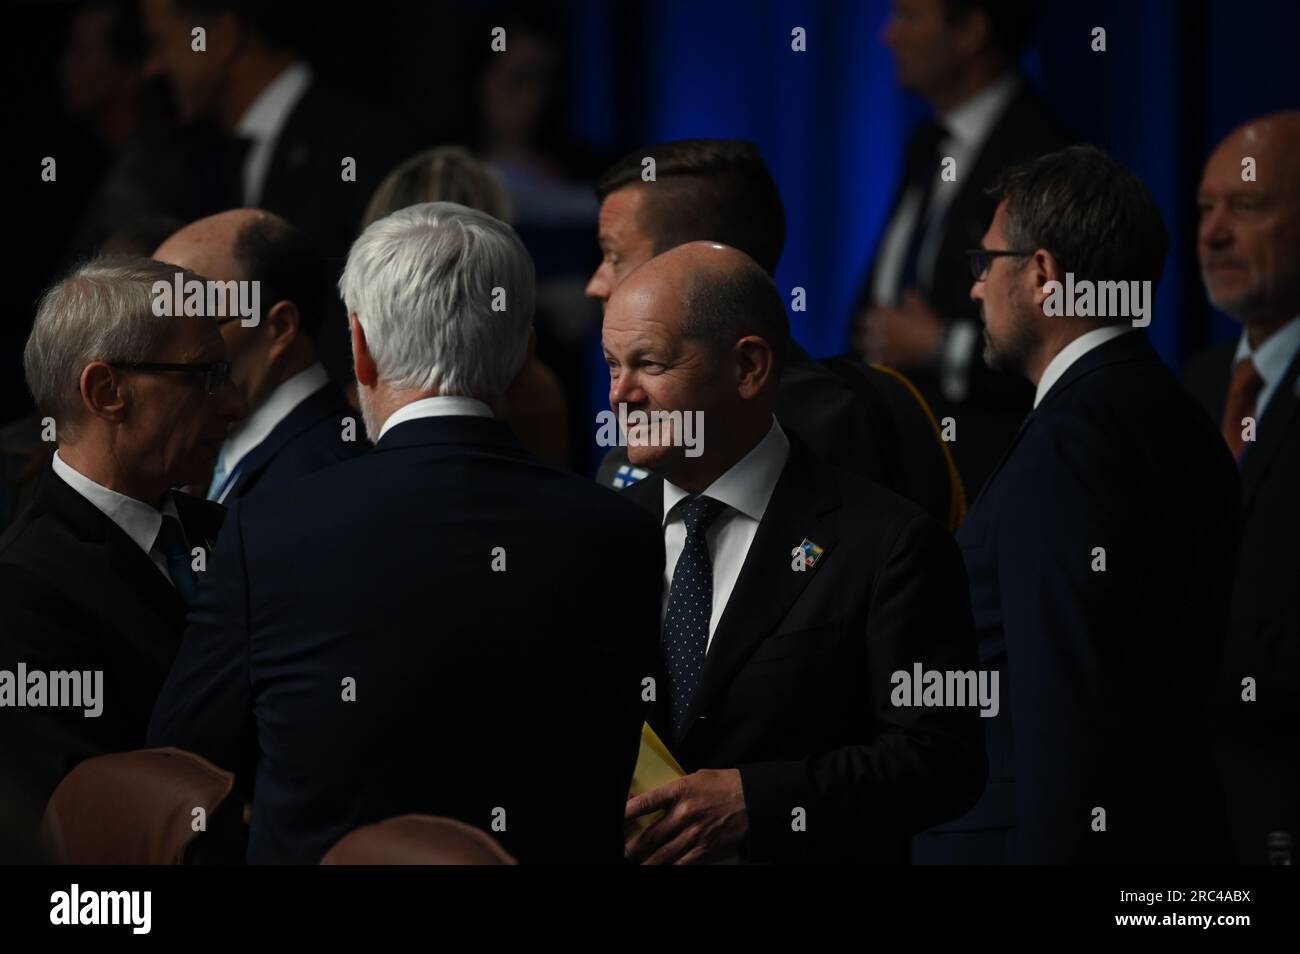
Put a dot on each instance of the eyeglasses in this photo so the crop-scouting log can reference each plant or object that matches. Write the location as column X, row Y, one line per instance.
column 982, row 258
column 215, row 373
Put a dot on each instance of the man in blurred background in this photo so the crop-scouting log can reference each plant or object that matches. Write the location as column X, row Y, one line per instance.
column 282, row 139
column 1249, row 247
column 914, row 312
column 298, row 420
column 98, row 572
column 103, row 84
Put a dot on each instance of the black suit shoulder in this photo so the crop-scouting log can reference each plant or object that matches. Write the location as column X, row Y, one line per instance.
column 1030, row 127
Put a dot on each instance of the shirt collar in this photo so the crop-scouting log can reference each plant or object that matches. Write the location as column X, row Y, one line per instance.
column 267, row 114
column 135, row 518
column 972, row 121
column 1072, row 352
column 257, row 427
column 748, row 484
column 441, row 406
column 1274, row 354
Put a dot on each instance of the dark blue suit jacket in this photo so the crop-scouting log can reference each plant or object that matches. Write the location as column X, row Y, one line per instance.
column 1106, row 675
column 309, row 438
column 354, row 646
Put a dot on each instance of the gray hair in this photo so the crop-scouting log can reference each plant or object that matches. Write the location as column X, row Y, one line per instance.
column 100, row 311
column 445, row 297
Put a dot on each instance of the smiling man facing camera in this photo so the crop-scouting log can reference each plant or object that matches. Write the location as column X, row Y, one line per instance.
column 795, row 596
column 425, row 629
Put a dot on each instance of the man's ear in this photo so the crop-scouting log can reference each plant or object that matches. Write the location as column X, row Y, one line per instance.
column 755, row 365
column 102, row 391
column 362, row 362
column 1044, row 268
column 284, row 324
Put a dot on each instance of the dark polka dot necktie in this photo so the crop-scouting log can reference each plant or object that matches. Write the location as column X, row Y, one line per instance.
column 690, row 604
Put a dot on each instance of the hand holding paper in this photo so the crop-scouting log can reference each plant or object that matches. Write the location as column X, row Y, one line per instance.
column 699, row 818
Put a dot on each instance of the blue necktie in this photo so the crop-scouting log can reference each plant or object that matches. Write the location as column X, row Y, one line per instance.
column 690, row 604
column 221, row 479
column 173, row 545
column 218, row 476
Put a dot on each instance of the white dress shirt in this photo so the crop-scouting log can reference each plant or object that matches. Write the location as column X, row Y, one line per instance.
column 448, row 406
column 1271, row 360
column 262, row 123
column 137, row 519
column 257, row 427
column 746, row 490
column 1072, row 352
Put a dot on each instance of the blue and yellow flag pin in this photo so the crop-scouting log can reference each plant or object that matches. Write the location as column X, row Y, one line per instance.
column 811, row 553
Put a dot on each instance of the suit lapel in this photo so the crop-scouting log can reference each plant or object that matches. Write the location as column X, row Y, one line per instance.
column 768, row 585
column 1272, row 431
column 1131, row 346
column 310, row 410
column 123, row 557
column 1006, row 455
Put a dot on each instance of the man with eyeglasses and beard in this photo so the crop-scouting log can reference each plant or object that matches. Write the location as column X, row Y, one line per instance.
column 97, row 574
column 1099, row 551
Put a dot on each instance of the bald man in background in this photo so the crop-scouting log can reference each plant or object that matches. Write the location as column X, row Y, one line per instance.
column 796, row 594
column 298, row 422
column 1249, row 248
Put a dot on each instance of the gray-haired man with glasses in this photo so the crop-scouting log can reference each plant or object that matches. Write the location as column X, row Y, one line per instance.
column 96, row 575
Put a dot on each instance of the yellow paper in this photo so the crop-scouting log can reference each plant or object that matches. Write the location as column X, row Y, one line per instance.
column 655, row 767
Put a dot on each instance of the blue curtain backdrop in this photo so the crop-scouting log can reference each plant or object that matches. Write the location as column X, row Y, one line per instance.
column 1176, row 76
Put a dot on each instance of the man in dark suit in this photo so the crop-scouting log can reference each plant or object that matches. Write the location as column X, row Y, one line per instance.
column 298, row 419
column 721, row 190
column 96, row 573
column 282, row 140
column 1249, row 246
column 914, row 312
column 799, row 597
column 1100, row 551
column 427, row 628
